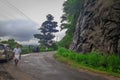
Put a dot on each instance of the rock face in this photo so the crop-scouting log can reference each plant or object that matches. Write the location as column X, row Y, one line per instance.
column 98, row 27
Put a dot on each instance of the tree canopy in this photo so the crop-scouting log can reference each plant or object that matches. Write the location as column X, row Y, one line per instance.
column 71, row 11
column 11, row 42
column 47, row 29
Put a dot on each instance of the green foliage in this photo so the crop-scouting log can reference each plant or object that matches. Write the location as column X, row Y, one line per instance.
column 27, row 49
column 44, row 50
column 113, row 63
column 11, row 42
column 94, row 60
column 66, row 41
column 49, row 48
column 72, row 10
column 47, row 29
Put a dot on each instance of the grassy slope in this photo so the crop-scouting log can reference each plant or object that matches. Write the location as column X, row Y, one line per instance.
column 78, row 65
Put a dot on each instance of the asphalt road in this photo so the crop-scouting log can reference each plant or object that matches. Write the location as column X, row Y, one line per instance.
column 42, row 66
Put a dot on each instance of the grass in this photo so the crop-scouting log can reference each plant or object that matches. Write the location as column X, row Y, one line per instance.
column 94, row 61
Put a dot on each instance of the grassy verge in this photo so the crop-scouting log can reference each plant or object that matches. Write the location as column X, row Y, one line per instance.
column 109, row 65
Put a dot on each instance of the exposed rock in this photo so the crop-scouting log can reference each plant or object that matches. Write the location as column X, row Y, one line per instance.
column 98, row 27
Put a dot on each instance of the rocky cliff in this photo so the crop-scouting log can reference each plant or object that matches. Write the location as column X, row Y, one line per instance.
column 98, row 27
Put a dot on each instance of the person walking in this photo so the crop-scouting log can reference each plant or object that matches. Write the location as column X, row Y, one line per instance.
column 17, row 54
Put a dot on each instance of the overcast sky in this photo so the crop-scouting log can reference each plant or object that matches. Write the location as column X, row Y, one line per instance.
column 20, row 19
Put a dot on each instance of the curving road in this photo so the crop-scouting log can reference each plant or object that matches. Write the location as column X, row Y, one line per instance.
column 42, row 66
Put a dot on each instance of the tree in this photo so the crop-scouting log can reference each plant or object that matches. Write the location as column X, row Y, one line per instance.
column 11, row 42
column 46, row 31
column 71, row 9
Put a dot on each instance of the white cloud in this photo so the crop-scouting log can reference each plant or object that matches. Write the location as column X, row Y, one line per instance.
column 20, row 30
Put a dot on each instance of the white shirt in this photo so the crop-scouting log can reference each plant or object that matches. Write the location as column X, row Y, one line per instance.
column 17, row 51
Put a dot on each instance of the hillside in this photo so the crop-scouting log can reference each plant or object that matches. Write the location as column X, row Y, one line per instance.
column 98, row 27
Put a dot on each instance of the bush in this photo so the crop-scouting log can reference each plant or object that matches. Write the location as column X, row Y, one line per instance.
column 113, row 63
column 25, row 51
column 94, row 60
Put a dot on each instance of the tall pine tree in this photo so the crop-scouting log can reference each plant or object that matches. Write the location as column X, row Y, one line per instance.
column 46, row 31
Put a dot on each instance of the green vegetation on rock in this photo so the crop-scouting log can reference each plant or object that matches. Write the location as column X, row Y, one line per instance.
column 71, row 11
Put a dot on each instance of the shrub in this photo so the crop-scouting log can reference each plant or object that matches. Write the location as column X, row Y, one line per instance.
column 113, row 63
column 94, row 60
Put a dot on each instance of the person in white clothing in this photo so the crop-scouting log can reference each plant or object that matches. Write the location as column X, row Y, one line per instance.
column 17, row 54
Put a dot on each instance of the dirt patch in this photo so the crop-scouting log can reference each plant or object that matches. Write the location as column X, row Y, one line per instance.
column 16, row 72
column 5, row 76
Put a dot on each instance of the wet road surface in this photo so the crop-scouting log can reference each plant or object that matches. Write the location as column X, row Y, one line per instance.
column 42, row 66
